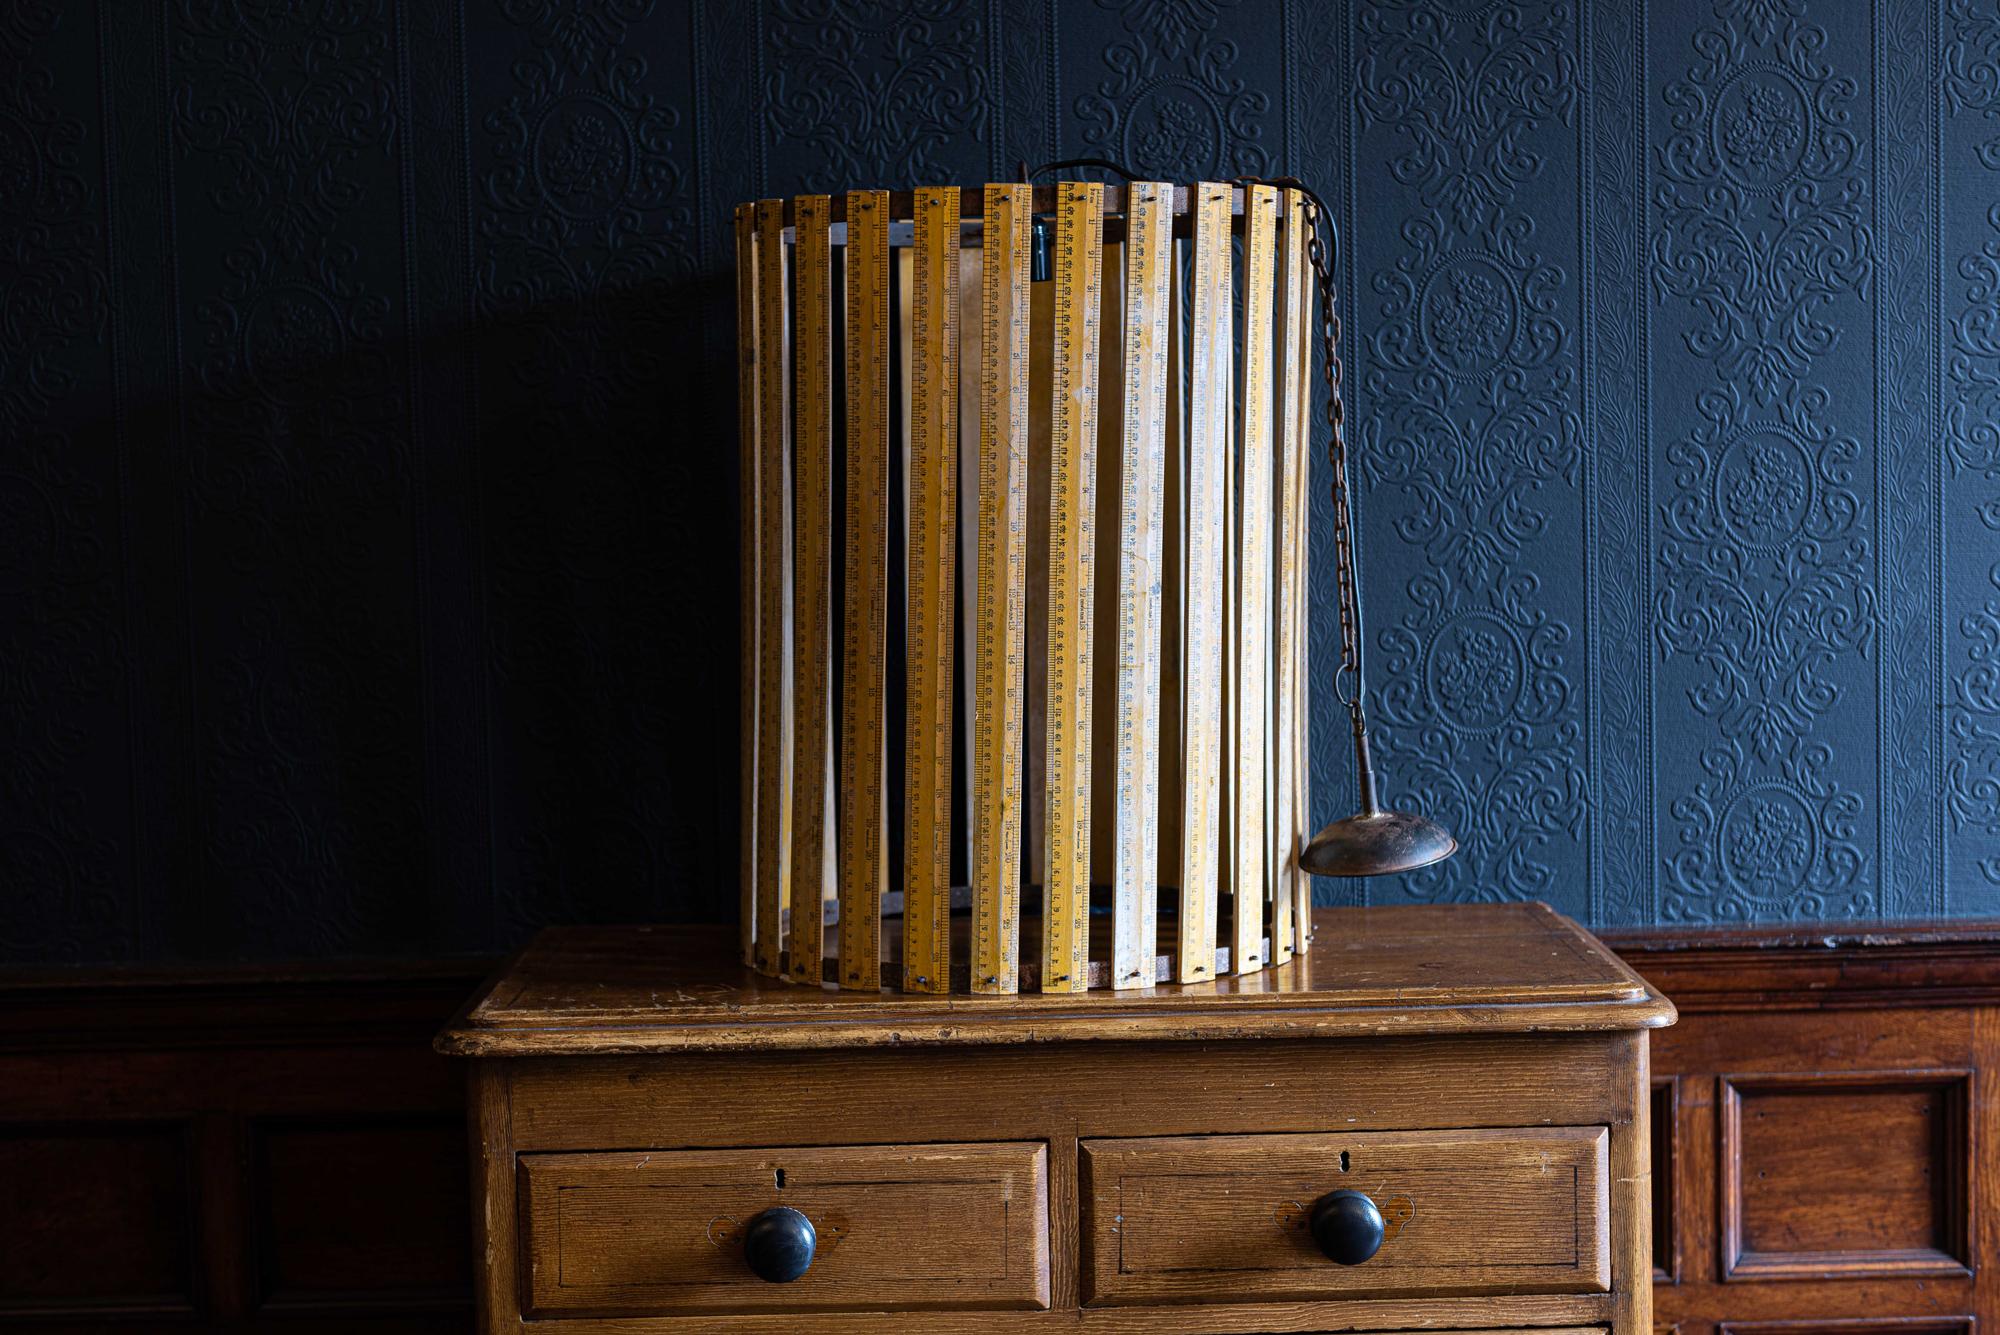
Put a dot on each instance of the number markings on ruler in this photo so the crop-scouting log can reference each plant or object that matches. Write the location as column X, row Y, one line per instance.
column 774, row 760
column 1253, row 579
column 999, row 617
column 812, row 357
column 1079, row 253
column 862, row 833
column 1143, row 442
column 1201, row 626
column 748, row 539
column 932, row 564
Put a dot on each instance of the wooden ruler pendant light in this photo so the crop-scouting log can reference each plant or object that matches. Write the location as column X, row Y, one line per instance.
column 936, row 551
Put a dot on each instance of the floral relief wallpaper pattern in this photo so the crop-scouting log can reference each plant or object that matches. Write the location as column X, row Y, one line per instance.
column 367, row 460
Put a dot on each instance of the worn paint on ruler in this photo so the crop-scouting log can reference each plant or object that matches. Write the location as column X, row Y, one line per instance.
column 748, row 395
column 1251, row 845
column 1201, row 626
column 1142, row 475
column 933, row 482
column 774, row 566
column 1001, row 563
column 865, row 628
column 1079, row 249
column 812, row 582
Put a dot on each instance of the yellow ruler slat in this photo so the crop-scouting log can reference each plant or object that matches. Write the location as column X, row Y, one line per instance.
column 1142, row 479
column 812, row 591
column 1201, row 625
column 999, row 618
column 1079, row 252
column 1290, row 497
column 1301, row 658
column 748, row 606
column 1253, row 579
column 932, row 565
column 865, row 624
column 774, row 564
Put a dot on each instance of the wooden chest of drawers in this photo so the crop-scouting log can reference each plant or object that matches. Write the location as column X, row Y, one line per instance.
column 1451, row 1099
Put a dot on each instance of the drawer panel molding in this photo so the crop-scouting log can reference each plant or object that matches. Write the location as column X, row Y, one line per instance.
column 897, row 1228
column 1227, row 1218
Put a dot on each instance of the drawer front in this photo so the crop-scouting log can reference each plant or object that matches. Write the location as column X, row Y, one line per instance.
column 899, row 1227
column 1227, row 1218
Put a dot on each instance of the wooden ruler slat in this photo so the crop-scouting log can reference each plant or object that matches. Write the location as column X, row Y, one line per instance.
column 774, row 722
column 1290, row 497
column 1078, row 266
column 1302, row 657
column 1201, row 626
column 1142, row 477
column 865, row 627
column 812, row 592
column 1253, row 580
column 749, row 394
column 999, row 618
column 932, row 566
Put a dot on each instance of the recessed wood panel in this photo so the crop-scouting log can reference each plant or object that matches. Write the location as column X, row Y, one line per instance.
column 900, row 1228
column 1223, row 1218
column 1837, row 1174
column 1665, row 1118
column 95, row 1219
column 359, row 1214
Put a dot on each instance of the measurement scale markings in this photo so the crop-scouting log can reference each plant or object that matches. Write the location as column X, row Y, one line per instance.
column 1148, row 256
column 866, row 621
column 812, row 431
column 933, row 544
column 1000, row 613
column 1202, row 671
column 1253, row 574
column 1072, row 510
column 774, row 761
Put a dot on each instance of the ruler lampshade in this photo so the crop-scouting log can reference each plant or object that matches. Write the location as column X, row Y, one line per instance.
column 1023, row 594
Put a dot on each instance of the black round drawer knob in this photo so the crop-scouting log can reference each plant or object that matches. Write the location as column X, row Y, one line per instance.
column 1347, row 1227
column 779, row 1244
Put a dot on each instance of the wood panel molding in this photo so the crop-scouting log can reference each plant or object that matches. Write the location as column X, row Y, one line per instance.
column 1856, row 1174
column 1879, row 966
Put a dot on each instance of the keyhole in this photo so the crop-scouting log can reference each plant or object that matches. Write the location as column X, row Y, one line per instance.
column 781, row 1179
column 1344, row 1164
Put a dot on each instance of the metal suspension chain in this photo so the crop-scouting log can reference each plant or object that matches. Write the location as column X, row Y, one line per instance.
column 1318, row 252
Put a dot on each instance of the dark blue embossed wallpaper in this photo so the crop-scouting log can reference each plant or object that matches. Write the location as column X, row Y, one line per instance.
column 367, row 395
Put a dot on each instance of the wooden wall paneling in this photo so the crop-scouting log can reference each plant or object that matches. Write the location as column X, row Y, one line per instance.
column 1844, row 1174
column 168, row 1160
column 95, row 1220
column 1829, row 1087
